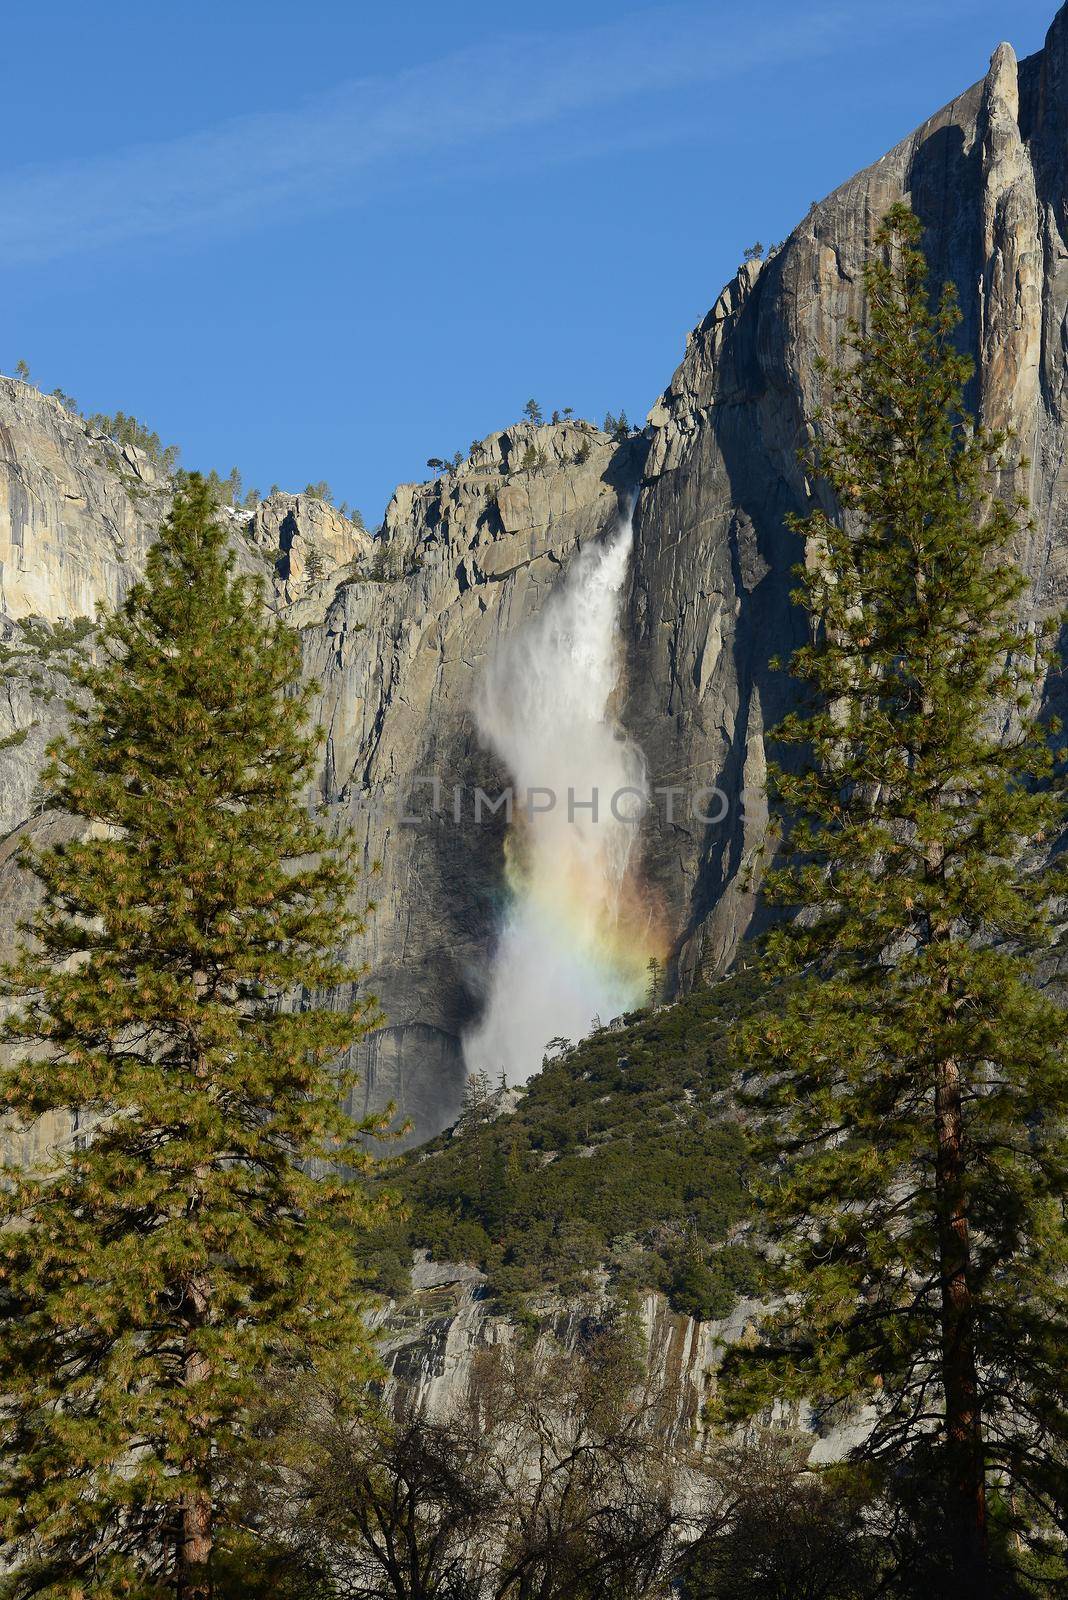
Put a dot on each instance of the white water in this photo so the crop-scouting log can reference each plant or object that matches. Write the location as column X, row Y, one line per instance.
column 568, row 949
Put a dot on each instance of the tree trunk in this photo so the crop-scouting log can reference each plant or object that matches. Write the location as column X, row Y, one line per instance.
column 197, row 1534
column 966, row 1518
column 194, row 1556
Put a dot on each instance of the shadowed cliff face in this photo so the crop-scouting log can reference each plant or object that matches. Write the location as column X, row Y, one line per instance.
column 399, row 660
column 397, row 646
column 710, row 602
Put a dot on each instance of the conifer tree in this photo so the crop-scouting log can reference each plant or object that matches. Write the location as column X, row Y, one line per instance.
column 912, row 1076
column 159, row 1271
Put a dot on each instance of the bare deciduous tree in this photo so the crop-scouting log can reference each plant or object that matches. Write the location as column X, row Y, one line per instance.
column 555, row 1479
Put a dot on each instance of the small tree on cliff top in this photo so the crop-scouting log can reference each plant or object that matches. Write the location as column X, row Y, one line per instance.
column 914, row 1083
column 154, row 1275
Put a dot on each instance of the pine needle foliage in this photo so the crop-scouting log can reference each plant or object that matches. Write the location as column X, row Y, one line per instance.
column 912, row 1083
column 158, row 1271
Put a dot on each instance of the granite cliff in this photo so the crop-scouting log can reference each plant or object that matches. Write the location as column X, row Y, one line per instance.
column 395, row 630
column 710, row 603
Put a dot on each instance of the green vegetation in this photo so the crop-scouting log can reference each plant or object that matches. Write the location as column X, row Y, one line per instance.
column 914, row 1086
column 40, row 656
column 163, row 1270
column 123, row 429
column 316, row 565
column 384, row 568
column 440, row 464
column 228, row 491
column 39, row 649
column 48, row 639
column 625, row 1151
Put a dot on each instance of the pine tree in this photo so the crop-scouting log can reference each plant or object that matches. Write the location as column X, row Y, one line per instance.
column 199, row 1239
column 478, row 1102
column 320, row 491
column 911, row 1075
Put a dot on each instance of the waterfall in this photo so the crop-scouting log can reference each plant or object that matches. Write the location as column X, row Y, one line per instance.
column 575, row 941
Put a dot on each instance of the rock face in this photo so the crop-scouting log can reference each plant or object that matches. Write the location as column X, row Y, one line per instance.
column 395, row 630
column 431, row 1340
column 305, row 540
column 463, row 561
column 77, row 515
column 76, row 511
column 710, row 603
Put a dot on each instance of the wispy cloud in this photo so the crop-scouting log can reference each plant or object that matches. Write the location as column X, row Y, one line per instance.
column 338, row 148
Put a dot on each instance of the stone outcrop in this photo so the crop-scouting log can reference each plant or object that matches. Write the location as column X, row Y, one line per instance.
column 305, row 540
column 395, row 629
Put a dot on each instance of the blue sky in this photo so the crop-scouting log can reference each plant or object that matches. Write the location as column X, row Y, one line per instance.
column 330, row 241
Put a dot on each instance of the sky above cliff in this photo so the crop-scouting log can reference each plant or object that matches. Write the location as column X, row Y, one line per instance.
column 331, row 241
